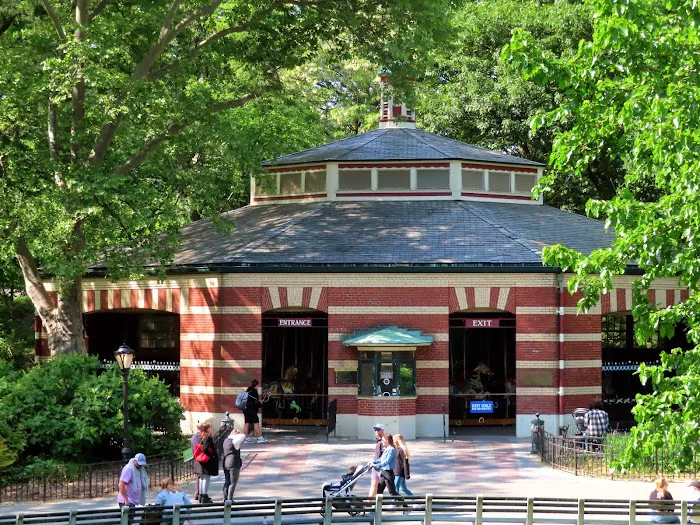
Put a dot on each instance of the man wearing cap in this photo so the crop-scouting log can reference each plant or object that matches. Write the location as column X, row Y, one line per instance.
column 694, row 509
column 377, row 484
column 133, row 482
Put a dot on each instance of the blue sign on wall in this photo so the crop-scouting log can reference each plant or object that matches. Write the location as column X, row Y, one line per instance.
column 481, row 407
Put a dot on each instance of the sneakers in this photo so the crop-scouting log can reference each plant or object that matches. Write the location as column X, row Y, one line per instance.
column 248, row 440
column 262, row 439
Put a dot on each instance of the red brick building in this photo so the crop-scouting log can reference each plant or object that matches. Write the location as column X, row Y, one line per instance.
column 397, row 272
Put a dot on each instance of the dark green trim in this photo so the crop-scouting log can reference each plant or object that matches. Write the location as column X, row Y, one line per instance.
column 364, row 268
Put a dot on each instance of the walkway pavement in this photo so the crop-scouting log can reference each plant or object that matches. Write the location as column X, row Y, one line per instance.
column 297, row 465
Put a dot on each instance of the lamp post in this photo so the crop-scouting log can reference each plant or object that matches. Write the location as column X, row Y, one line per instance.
column 124, row 357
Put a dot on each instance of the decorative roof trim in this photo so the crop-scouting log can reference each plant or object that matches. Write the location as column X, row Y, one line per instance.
column 502, row 167
column 498, row 196
column 291, row 197
column 407, row 193
column 313, row 167
column 406, row 164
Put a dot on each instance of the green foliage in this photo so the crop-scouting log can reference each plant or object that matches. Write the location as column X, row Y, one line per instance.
column 469, row 94
column 147, row 121
column 633, row 94
column 68, row 409
column 16, row 331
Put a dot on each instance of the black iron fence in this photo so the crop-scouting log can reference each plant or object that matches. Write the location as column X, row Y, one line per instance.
column 96, row 480
column 597, row 457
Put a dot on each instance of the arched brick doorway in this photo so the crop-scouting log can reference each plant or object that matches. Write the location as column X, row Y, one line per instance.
column 482, row 369
column 295, row 367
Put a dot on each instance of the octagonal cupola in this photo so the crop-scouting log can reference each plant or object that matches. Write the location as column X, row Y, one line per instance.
column 396, row 161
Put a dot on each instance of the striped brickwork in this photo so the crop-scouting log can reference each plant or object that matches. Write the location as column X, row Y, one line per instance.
column 221, row 330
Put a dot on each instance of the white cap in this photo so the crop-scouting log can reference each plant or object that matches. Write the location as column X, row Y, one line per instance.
column 379, row 426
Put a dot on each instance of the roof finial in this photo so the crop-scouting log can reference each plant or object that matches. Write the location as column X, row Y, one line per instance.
column 392, row 114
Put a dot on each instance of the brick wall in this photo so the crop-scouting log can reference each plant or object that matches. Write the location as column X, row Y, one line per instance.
column 221, row 342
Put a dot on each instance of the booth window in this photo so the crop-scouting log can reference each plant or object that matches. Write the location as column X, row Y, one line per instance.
column 387, row 374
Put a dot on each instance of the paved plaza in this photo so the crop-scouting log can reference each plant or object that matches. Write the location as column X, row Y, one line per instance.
column 296, row 466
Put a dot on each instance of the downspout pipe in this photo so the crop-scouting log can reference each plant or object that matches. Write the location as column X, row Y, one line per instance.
column 560, row 331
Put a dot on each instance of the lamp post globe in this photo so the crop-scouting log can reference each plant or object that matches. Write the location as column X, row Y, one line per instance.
column 124, row 356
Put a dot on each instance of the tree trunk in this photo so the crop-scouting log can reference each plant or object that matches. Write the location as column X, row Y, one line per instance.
column 65, row 326
column 63, row 322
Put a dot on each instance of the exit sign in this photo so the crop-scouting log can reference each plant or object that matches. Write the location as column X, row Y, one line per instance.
column 473, row 322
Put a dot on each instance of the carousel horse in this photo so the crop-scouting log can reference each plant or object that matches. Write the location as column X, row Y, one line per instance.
column 476, row 384
column 282, row 388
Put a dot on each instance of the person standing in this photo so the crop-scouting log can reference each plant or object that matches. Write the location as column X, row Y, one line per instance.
column 133, row 482
column 250, row 414
column 208, row 463
column 387, row 463
column 597, row 423
column 194, row 441
column 403, row 468
column 662, row 513
column 378, row 450
column 232, row 462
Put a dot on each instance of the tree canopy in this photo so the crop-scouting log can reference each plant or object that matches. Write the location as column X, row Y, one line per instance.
column 470, row 94
column 120, row 119
column 633, row 93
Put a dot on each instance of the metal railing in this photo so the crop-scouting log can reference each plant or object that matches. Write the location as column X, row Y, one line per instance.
column 294, row 410
column 477, row 510
column 98, row 479
column 597, row 457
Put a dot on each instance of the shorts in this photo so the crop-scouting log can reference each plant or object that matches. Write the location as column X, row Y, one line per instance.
column 251, row 417
column 376, row 475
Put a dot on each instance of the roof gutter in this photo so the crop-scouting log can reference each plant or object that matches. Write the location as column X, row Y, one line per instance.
column 359, row 268
column 345, row 268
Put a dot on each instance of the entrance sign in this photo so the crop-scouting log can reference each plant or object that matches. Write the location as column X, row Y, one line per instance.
column 294, row 322
column 481, row 407
column 475, row 322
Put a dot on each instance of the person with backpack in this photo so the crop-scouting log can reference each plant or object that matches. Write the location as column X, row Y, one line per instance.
column 249, row 403
column 232, row 462
column 206, row 462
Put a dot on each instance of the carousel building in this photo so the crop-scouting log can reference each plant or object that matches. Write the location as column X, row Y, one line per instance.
column 396, row 274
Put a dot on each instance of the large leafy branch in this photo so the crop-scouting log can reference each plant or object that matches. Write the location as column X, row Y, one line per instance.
column 633, row 93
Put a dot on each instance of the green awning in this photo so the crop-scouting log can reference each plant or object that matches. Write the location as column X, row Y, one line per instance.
column 389, row 336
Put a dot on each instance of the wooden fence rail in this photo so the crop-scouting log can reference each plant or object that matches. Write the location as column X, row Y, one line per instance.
column 425, row 510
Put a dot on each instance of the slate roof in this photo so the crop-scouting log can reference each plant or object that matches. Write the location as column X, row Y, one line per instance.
column 397, row 144
column 420, row 233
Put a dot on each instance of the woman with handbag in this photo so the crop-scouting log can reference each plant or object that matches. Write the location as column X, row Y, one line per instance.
column 206, row 462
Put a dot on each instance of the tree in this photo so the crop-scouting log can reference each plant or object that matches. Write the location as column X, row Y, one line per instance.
column 633, row 94
column 345, row 93
column 110, row 108
column 471, row 95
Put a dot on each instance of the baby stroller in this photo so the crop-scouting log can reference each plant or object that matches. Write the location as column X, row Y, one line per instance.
column 341, row 492
column 578, row 416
